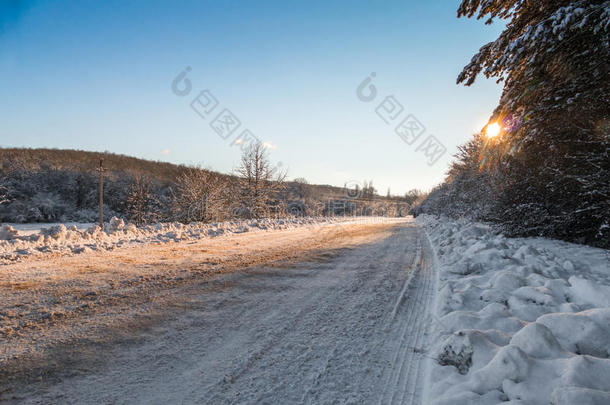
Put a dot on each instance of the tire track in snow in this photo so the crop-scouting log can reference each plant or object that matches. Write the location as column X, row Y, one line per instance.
column 325, row 367
column 313, row 311
column 399, row 351
column 403, row 374
column 416, row 380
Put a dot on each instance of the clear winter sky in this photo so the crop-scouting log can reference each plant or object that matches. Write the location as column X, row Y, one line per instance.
column 96, row 75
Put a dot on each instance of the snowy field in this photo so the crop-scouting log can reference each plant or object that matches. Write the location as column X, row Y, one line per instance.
column 20, row 241
column 520, row 320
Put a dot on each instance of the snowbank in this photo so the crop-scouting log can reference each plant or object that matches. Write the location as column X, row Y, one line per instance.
column 519, row 320
column 60, row 239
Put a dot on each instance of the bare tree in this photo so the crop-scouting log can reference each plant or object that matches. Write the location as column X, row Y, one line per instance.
column 199, row 196
column 3, row 195
column 3, row 191
column 301, row 188
column 142, row 204
column 314, row 207
column 368, row 190
column 414, row 208
column 260, row 183
column 412, row 195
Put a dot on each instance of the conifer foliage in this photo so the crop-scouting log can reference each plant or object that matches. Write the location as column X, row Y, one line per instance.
column 548, row 171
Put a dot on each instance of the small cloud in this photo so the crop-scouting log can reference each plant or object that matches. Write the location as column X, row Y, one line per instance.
column 269, row 145
column 166, row 151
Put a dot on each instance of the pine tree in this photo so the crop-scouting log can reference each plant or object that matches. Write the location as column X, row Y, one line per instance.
column 552, row 160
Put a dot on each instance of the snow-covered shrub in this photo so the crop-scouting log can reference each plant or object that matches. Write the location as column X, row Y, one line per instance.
column 200, row 195
column 55, row 232
column 115, row 225
column 7, row 232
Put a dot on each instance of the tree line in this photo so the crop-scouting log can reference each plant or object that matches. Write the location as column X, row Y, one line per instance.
column 547, row 173
column 48, row 185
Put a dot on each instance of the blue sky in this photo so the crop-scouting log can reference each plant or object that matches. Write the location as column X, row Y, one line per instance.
column 97, row 76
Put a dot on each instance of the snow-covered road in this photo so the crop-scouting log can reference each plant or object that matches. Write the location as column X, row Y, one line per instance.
column 349, row 327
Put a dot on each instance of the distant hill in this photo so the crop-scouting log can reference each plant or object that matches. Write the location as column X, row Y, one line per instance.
column 50, row 185
column 80, row 161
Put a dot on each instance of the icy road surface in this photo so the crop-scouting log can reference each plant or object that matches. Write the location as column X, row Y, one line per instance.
column 347, row 327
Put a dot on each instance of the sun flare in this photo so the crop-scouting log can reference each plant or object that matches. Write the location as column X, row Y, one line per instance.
column 492, row 130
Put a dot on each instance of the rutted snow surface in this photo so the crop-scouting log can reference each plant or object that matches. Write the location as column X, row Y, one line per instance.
column 348, row 329
column 519, row 320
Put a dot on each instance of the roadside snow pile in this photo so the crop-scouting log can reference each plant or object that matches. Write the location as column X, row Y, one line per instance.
column 61, row 239
column 525, row 320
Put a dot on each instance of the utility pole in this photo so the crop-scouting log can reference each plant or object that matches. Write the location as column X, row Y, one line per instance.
column 101, row 170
